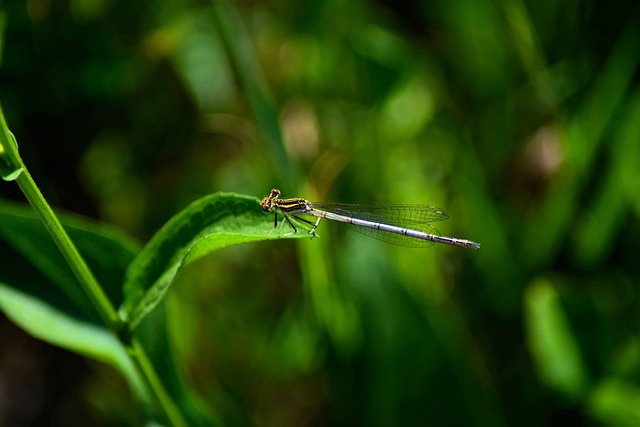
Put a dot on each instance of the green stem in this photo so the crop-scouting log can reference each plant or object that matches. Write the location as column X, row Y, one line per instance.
column 144, row 365
column 13, row 168
column 35, row 198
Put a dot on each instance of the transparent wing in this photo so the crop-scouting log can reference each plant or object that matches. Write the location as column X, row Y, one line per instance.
column 410, row 216
column 416, row 217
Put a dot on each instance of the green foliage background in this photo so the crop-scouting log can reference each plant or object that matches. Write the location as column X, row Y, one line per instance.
column 520, row 119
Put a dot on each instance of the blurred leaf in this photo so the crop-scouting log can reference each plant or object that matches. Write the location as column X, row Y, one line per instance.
column 106, row 250
column 3, row 26
column 296, row 347
column 62, row 328
column 479, row 52
column 599, row 223
column 332, row 306
column 153, row 335
column 584, row 132
column 552, row 343
column 199, row 57
column 40, row 294
column 615, row 402
column 626, row 362
column 211, row 223
column 408, row 110
column 242, row 56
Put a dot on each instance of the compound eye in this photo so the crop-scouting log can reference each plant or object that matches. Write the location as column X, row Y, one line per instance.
column 266, row 205
column 275, row 192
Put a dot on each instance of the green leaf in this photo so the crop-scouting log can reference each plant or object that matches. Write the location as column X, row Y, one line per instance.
column 60, row 327
column 213, row 222
column 8, row 170
column 553, row 345
column 10, row 164
column 39, row 292
column 616, row 402
column 107, row 251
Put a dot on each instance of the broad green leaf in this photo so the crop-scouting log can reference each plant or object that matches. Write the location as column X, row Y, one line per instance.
column 552, row 343
column 211, row 223
column 35, row 304
column 49, row 323
column 40, row 294
column 106, row 250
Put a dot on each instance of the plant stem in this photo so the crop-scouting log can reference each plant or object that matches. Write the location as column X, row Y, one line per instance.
column 14, row 167
column 11, row 159
column 144, row 365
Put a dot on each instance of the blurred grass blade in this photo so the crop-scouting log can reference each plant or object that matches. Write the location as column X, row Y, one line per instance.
column 211, row 223
column 584, row 136
column 615, row 402
column 619, row 190
column 152, row 342
column 552, row 343
column 242, row 56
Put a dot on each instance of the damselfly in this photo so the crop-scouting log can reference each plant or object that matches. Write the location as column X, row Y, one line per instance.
column 397, row 224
